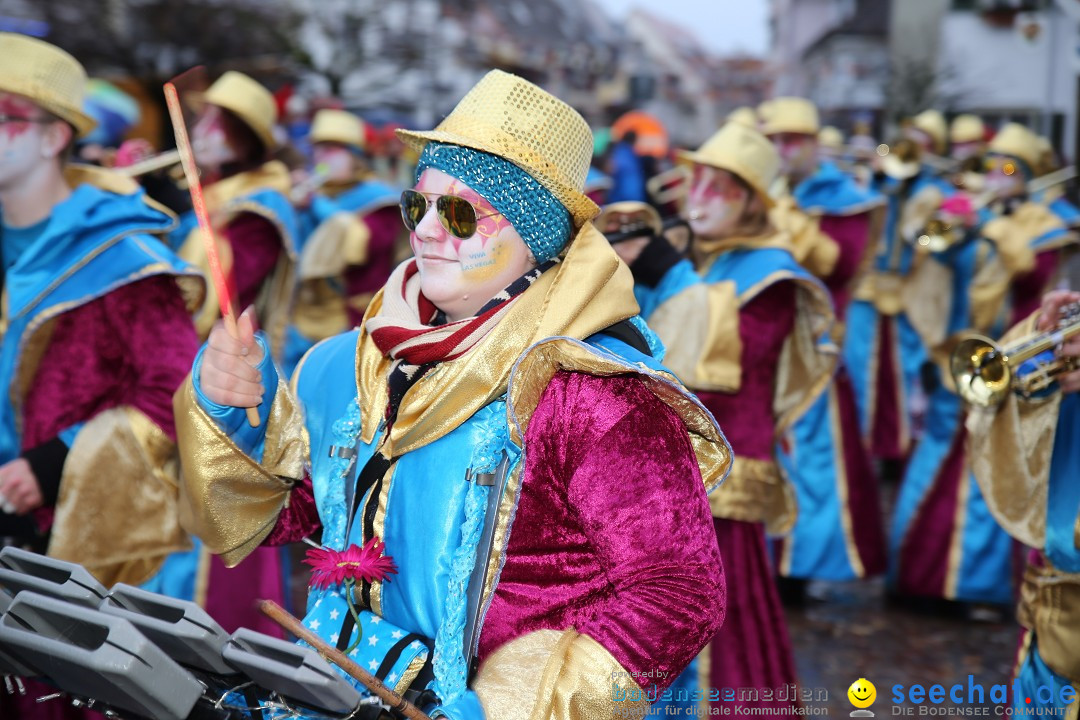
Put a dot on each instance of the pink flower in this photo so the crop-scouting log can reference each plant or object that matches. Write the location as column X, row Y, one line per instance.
column 333, row 567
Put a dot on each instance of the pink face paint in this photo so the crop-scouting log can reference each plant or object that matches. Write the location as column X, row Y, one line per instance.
column 715, row 203
column 460, row 275
column 14, row 106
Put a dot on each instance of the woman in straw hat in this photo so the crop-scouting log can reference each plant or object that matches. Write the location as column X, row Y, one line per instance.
column 97, row 335
column 745, row 327
column 247, row 195
column 839, row 533
column 497, row 432
column 350, row 227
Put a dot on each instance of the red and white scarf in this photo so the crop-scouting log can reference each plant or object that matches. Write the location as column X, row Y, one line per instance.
column 412, row 331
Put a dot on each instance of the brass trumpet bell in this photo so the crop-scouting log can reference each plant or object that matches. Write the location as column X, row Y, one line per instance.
column 938, row 236
column 981, row 370
column 985, row 372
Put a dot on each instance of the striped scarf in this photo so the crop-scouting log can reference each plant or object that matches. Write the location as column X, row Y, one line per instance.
column 414, row 333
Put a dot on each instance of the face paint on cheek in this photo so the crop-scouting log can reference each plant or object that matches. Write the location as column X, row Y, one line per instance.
column 15, row 107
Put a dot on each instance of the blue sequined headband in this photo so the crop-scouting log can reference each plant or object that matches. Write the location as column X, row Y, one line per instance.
column 542, row 221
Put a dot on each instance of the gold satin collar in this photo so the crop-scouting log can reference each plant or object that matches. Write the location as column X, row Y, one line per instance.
column 591, row 289
column 273, row 175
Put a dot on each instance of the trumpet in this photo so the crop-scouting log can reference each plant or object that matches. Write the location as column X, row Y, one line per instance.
column 902, row 159
column 985, row 372
column 939, row 235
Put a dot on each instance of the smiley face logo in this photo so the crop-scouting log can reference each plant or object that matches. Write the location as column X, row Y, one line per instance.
column 862, row 693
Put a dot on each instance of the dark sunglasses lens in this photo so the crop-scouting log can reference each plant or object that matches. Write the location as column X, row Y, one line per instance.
column 413, row 207
column 457, row 216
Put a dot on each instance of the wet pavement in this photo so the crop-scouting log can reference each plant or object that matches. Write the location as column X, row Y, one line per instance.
column 856, row 632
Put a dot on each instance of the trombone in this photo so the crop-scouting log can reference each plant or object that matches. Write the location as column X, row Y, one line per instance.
column 985, row 372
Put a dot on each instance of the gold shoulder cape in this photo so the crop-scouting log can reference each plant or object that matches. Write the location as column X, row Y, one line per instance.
column 118, row 536
column 700, row 327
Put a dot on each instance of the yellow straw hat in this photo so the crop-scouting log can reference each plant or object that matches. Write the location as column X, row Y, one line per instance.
column 743, row 151
column 744, row 116
column 789, row 115
column 932, row 122
column 46, row 75
column 967, row 128
column 510, row 117
column 831, row 138
column 249, row 101
column 338, row 126
column 1019, row 142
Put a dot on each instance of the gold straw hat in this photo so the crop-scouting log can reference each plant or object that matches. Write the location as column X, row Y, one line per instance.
column 967, row 128
column 744, row 116
column 510, row 117
column 1019, row 142
column 249, row 101
column 932, row 122
column 831, row 138
column 742, row 151
column 789, row 115
column 46, row 75
column 338, row 126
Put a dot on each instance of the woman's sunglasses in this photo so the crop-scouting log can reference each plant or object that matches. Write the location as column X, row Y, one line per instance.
column 457, row 215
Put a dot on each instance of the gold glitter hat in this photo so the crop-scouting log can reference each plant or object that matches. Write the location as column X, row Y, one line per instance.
column 46, row 75
column 789, row 115
column 508, row 116
column 249, row 101
column 743, row 151
column 338, row 126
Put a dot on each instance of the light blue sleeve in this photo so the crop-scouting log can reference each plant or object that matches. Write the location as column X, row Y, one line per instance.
column 466, row 707
column 233, row 421
column 678, row 278
column 68, row 434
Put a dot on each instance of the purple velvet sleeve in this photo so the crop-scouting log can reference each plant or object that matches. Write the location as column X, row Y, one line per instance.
column 615, row 484
column 851, row 233
column 134, row 346
column 1028, row 288
column 162, row 341
column 300, row 519
column 747, row 416
column 256, row 246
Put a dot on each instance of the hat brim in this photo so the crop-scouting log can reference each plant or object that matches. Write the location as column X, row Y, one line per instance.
column 83, row 123
column 693, row 158
column 581, row 208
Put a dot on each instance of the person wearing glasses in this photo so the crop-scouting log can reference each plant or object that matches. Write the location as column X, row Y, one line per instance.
column 97, row 336
column 744, row 325
column 350, row 227
column 1024, row 457
column 498, row 438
